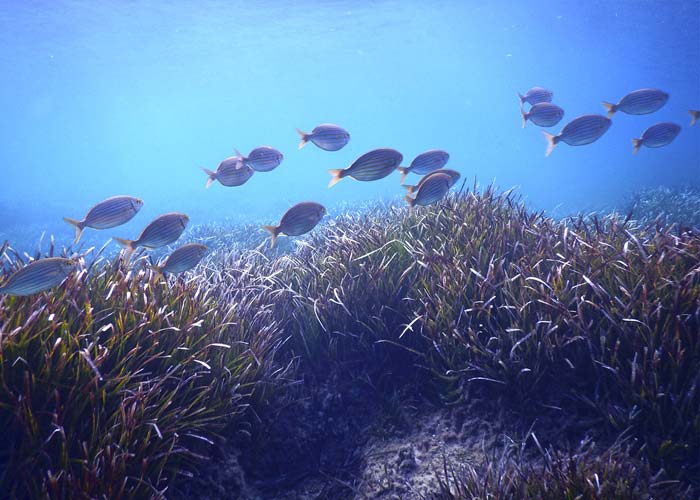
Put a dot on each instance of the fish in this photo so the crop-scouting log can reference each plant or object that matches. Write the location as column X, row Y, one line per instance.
column 639, row 102
column 536, row 95
column 262, row 159
column 162, row 231
column 230, row 172
column 656, row 136
column 694, row 116
column 454, row 176
column 425, row 163
column 299, row 219
column 38, row 276
column 111, row 212
column 371, row 166
column 326, row 136
column 433, row 189
column 543, row 114
column 181, row 260
column 579, row 131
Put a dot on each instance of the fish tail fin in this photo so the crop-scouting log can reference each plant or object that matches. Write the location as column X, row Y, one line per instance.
column 523, row 114
column 127, row 245
column 337, row 174
column 274, row 231
column 636, row 144
column 211, row 179
column 694, row 117
column 304, row 138
column 521, row 97
column 409, row 189
column 240, row 156
column 610, row 107
column 78, row 227
column 551, row 142
column 404, row 173
column 410, row 202
column 157, row 272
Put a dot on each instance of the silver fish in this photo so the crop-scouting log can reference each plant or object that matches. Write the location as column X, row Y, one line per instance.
column 694, row 116
column 160, row 232
column 660, row 134
column 262, row 159
column 371, row 166
column 543, row 114
column 182, row 259
column 230, row 172
column 579, row 131
column 536, row 95
column 111, row 212
column 454, row 177
column 326, row 136
column 299, row 219
column 639, row 102
column 425, row 163
column 433, row 189
column 38, row 276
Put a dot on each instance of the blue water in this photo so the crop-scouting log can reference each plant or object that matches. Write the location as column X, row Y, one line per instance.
column 112, row 97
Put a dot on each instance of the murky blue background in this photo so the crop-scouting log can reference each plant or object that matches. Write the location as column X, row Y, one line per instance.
column 111, row 97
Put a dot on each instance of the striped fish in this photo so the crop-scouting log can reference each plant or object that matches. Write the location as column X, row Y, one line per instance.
column 181, row 260
column 262, row 159
column 694, row 116
column 371, row 166
column 38, row 276
column 454, row 177
column 326, row 136
column 230, row 172
column 425, row 163
column 639, row 102
column 162, row 231
column 656, row 136
column 579, row 131
column 299, row 219
column 543, row 114
column 536, row 95
column 433, row 189
column 111, row 212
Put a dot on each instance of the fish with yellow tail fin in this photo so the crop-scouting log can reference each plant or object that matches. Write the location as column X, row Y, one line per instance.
column 431, row 191
column 425, row 163
column 638, row 102
column 371, row 166
column 298, row 220
column 38, row 276
column 580, row 131
column 230, row 172
column 656, row 136
column 326, row 136
column 160, row 232
column 183, row 259
column 454, row 176
column 111, row 212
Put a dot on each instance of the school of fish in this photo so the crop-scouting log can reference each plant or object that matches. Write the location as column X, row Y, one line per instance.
column 44, row 274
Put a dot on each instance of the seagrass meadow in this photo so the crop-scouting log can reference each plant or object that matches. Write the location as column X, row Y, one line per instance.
column 117, row 386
